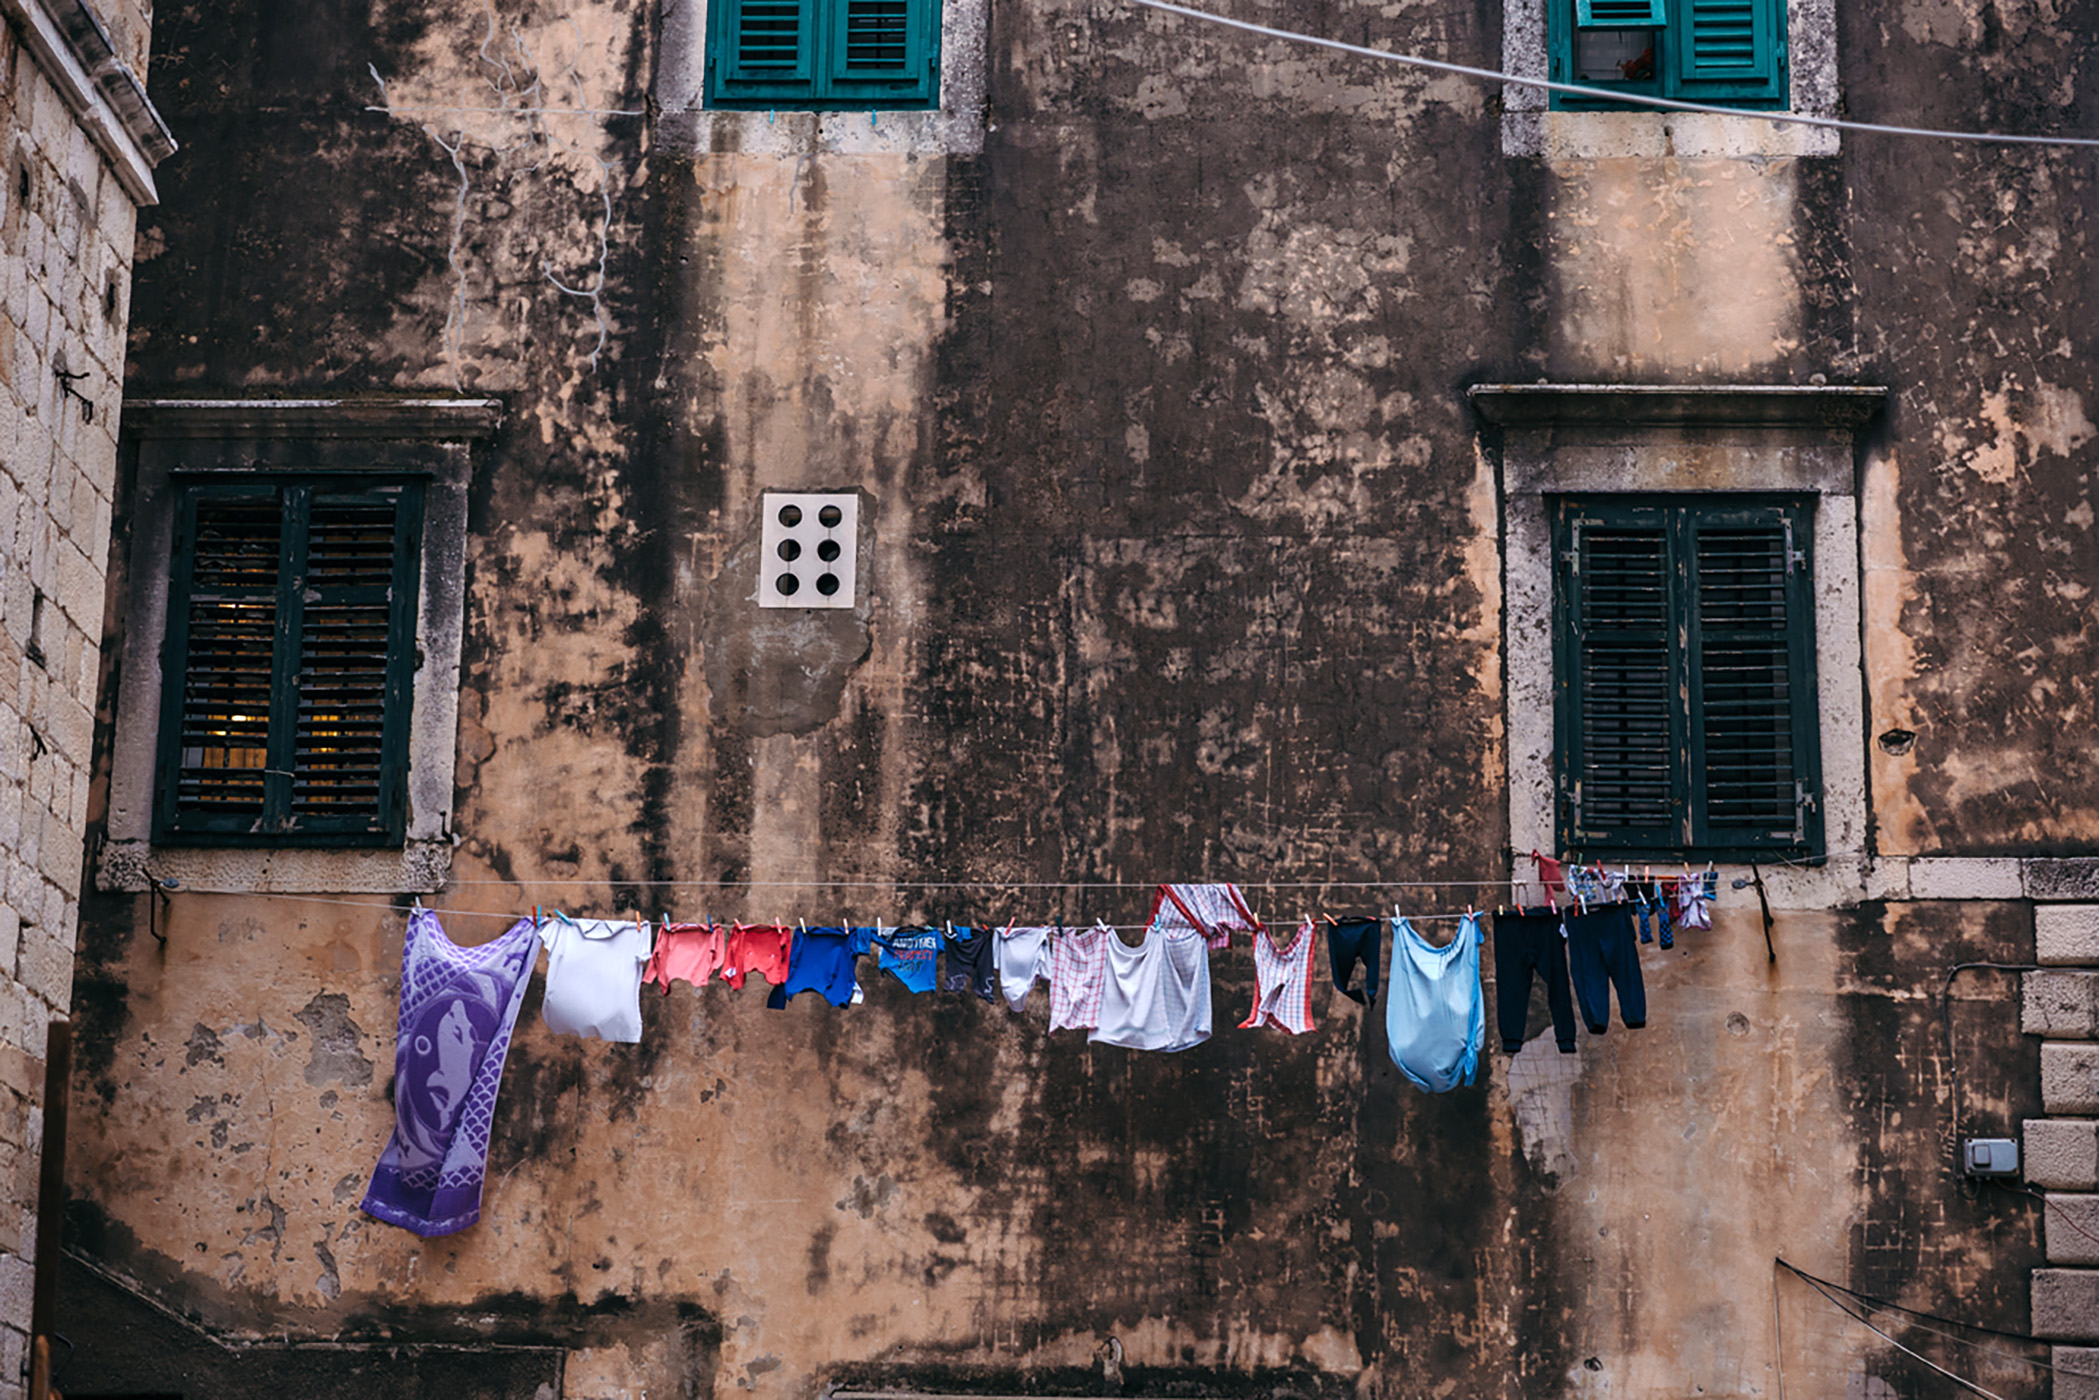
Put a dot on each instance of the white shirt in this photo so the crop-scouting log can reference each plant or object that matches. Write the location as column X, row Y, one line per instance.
column 594, row 969
column 1157, row 994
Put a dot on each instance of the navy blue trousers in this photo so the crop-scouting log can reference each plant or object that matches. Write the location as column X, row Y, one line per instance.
column 1602, row 953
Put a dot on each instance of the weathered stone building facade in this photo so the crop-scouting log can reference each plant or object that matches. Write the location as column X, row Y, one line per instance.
column 1210, row 403
column 79, row 141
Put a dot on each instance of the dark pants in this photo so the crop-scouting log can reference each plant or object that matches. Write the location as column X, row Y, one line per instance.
column 1352, row 941
column 1601, row 954
column 1524, row 944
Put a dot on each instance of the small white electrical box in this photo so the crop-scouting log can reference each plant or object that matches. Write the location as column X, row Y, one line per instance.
column 811, row 549
column 1990, row 1157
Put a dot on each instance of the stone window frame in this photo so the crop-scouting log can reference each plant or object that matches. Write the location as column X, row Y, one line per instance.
column 1530, row 129
column 196, row 438
column 1601, row 440
column 955, row 125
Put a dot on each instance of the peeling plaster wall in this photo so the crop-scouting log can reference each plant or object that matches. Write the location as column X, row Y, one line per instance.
column 1181, row 554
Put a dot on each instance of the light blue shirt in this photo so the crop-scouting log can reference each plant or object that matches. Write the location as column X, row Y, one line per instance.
column 1435, row 1016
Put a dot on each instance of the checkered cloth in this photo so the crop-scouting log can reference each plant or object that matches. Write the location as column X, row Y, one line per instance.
column 1078, row 977
column 1215, row 911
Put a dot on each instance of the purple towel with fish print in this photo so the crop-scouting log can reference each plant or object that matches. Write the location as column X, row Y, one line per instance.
column 457, row 1009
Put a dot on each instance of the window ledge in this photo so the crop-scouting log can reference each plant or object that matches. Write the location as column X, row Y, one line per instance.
column 1819, row 406
column 133, row 867
column 326, row 420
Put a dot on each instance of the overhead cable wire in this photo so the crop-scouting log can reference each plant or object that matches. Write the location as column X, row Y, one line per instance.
column 1961, row 1381
column 1924, row 1318
column 1669, row 104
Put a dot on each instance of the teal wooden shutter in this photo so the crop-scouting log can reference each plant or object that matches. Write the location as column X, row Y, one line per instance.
column 885, row 51
column 1620, row 14
column 764, row 50
column 1730, row 50
column 288, row 662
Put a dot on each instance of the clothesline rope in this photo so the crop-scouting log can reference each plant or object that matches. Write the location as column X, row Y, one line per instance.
column 387, row 907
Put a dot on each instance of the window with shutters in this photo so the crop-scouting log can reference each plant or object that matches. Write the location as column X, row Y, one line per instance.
column 1726, row 52
column 824, row 55
column 1685, row 694
column 288, row 660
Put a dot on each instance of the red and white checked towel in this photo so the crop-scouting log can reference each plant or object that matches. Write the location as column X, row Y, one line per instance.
column 1216, row 911
column 1078, row 977
column 1283, row 983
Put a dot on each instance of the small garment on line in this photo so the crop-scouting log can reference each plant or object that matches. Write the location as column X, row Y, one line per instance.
column 761, row 948
column 821, row 962
column 1078, row 976
column 1022, row 956
column 1694, row 899
column 1283, row 982
column 911, row 955
column 594, row 969
column 458, row 1007
column 1602, row 954
column 686, row 953
column 1215, row 911
column 1527, row 943
column 1435, row 1015
column 1552, row 875
column 967, row 962
column 1350, row 942
column 1156, row 995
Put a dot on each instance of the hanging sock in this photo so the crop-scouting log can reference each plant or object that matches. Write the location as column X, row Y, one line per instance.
column 458, row 1007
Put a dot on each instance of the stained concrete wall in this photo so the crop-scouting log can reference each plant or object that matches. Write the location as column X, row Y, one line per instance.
column 66, row 228
column 1182, row 556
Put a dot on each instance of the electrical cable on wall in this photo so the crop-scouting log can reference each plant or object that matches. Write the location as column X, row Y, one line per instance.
column 1670, row 104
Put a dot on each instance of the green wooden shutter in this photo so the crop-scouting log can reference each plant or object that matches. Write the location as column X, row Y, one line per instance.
column 1750, row 635
column 884, row 50
column 1620, row 781
column 289, row 662
column 355, row 650
column 1685, row 699
column 1730, row 50
column 1620, row 14
column 218, row 680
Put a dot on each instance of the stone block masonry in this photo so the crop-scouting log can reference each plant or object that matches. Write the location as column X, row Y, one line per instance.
column 66, row 229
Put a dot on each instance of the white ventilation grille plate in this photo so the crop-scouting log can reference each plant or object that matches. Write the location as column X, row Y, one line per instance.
column 811, row 552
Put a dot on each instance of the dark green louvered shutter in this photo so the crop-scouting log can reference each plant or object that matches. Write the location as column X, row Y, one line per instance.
column 1730, row 50
column 1620, row 14
column 1621, row 730
column 1684, row 655
column 289, row 662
